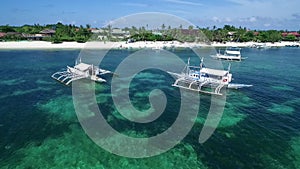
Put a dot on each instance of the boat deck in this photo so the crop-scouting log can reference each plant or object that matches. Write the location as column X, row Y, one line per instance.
column 66, row 77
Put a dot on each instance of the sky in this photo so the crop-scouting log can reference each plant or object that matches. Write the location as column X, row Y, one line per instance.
column 252, row 14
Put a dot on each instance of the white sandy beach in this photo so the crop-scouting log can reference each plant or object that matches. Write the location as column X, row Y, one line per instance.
column 97, row 45
column 40, row 45
column 143, row 44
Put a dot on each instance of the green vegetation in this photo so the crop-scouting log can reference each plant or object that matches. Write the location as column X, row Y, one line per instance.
column 231, row 33
column 71, row 33
column 61, row 33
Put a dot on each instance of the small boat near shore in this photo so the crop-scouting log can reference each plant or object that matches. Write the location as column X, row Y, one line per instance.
column 294, row 45
column 80, row 71
column 261, row 46
column 231, row 53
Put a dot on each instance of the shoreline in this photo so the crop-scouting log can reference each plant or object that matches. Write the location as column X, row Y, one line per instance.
column 31, row 45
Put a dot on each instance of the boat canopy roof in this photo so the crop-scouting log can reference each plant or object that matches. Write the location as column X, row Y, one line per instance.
column 214, row 71
column 233, row 48
column 234, row 52
column 82, row 66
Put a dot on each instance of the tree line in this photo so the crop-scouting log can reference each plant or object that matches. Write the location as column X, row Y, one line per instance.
column 226, row 34
column 62, row 32
column 165, row 33
column 231, row 33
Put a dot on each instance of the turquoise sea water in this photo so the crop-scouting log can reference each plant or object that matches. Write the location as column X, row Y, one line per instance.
column 260, row 127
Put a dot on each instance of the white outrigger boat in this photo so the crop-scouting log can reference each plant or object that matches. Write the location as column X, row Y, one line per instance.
column 199, row 78
column 80, row 71
column 230, row 53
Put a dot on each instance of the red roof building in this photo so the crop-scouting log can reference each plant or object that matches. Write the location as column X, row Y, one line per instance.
column 290, row 33
column 256, row 33
column 2, row 34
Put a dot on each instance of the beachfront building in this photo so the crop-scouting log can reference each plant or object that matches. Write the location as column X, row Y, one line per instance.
column 231, row 35
column 31, row 37
column 189, row 35
column 39, row 36
column 11, row 36
column 2, row 34
column 120, row 33
column 114, row 34
column 292, row 35
column 47, row 32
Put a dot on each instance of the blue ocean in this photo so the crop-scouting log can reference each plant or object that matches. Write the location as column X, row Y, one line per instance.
column 260, row 125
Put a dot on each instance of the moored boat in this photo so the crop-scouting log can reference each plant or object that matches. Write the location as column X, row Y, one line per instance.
column 199, row 78
column 230, row 53
column 80, row 71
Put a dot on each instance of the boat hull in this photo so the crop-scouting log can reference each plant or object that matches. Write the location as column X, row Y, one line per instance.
column 224, row 57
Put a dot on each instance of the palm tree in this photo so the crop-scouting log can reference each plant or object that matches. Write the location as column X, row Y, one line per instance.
column 214, row 27
column 133, row 30
column 109, row 28
column 163, row 26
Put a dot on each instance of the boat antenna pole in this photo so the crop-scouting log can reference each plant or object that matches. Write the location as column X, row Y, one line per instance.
column 229, row 67
column 92, row 69
column 77, row 61
column 187, row 66
column 201, row 63
column 238, row 39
